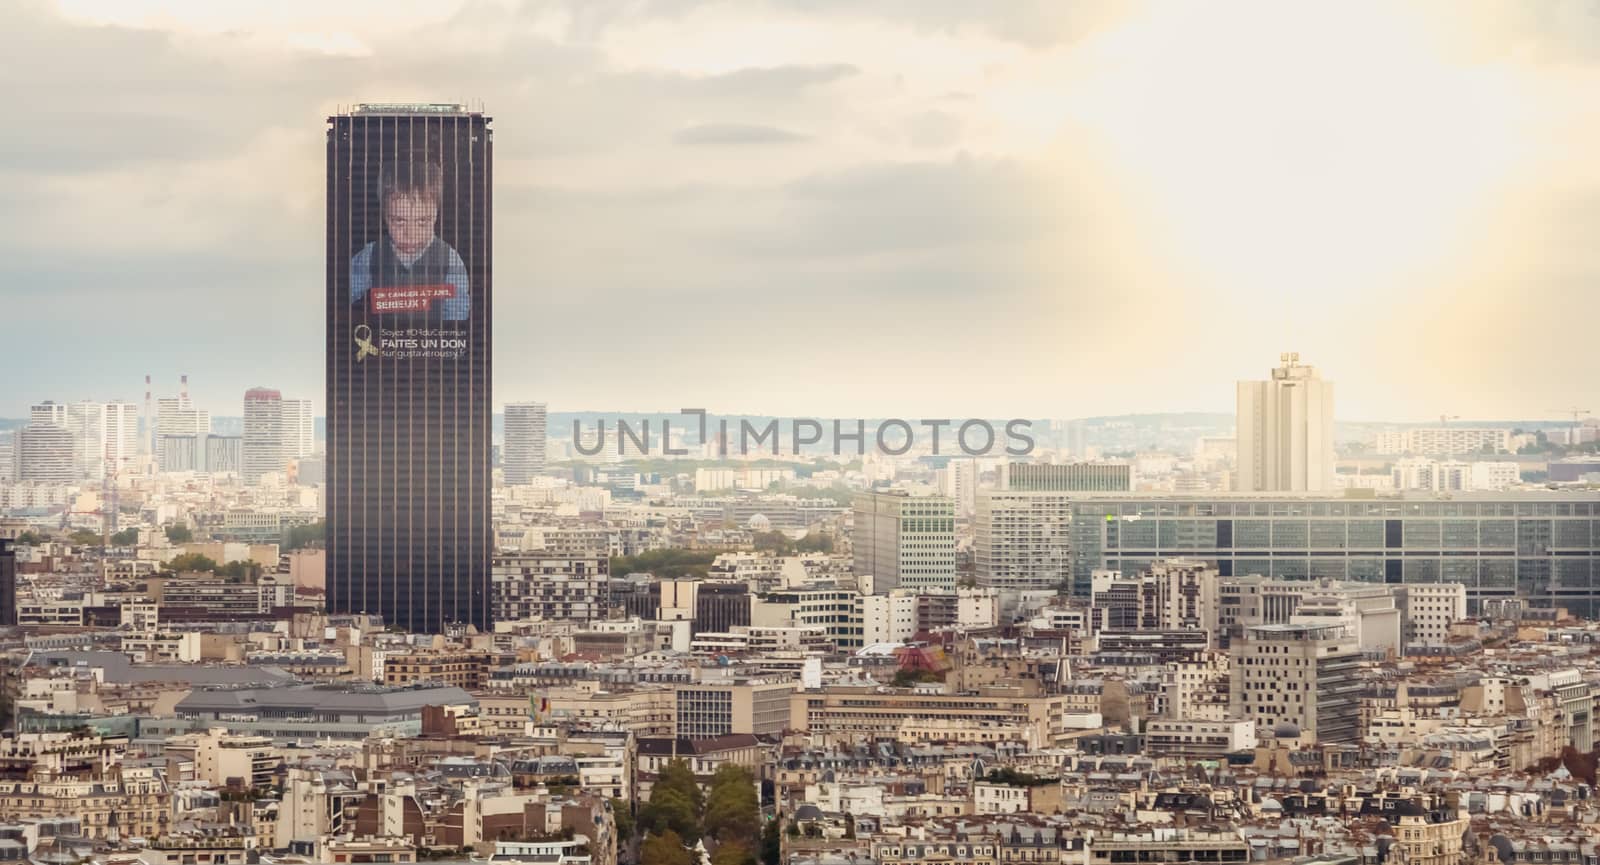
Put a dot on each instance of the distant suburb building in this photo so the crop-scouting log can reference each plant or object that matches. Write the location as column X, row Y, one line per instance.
column 1066, row 477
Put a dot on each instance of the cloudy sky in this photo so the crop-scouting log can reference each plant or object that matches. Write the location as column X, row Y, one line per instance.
column 838, row 207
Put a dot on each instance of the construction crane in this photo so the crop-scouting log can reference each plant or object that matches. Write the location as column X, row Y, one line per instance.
column 1577, row 419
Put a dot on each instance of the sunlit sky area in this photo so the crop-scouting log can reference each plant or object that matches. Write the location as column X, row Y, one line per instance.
column 839, row 207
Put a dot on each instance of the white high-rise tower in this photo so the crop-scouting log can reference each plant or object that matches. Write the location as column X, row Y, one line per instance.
column 1285, row 431
column 262, row 452
column 524, row 455
column 299, row 429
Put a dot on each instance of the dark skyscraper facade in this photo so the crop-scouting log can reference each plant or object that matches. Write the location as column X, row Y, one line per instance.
column 408, row 349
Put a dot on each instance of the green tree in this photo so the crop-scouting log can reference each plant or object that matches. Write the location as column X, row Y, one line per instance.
column 30, row 539
column 676, row 803
column 239, row 569
column 772, row 842
column 814, row 542
column 733, row 811
column 673, row 564
column 774, row 542
column 191, row 562
column 179, row 533
column 622, row 813
column 732, row 853
column 125, row 538
column 308, row 535
column 84, row 538
column 665, row 849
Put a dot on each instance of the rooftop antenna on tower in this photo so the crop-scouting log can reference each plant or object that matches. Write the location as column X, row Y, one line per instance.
column 183, row 388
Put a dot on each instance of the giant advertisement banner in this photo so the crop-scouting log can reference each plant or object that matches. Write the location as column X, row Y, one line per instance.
column 410, row 288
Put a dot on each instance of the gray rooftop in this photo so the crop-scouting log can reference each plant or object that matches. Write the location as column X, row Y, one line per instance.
column 120, row 669
column 351, row 699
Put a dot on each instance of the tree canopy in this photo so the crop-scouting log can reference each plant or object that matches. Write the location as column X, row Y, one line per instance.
column 665, row 849
column 179, row 533
column 676, row 803
column 733, row 810
column 308, row 535
column 187, row 562
column 673, row 564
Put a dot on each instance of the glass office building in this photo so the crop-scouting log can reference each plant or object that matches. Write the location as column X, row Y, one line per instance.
column 1537, row 545
column 408, row 378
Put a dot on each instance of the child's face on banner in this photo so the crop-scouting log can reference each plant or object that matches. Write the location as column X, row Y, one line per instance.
column 410, row 220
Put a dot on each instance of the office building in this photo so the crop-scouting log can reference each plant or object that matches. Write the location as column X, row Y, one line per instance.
column 1443, row 441
column 48, row 413
column 105, row 435
column 177, row 417
column 299, row 428
column 1429, row 610
column 311, row 471
column 523, row 456
column 1285, row 431
column 45, row 453
column 1299, row 680
column 1022, row 540
column 709, row 709
column 832, row 608
column 1066, row 477
column 1172, row 595
column 223, row 455
column 87, row 421
column 122, row 436
column 551, row 587
column 409, row 306
column 263, row 434
column 959, row 480
column 1539, row 545
column 905, row 541
column 888, row 618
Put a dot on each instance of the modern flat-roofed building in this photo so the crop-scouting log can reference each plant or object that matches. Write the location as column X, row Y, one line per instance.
column 1544, row 546
column 524, row 452
column 1305, row 676
column 905, row 541
column 1021, row 539
column 708, row 710
column 349, row 712
column 555, row 587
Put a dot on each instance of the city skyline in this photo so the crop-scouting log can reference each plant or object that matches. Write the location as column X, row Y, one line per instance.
column 921, row 432
column 1010, row 204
